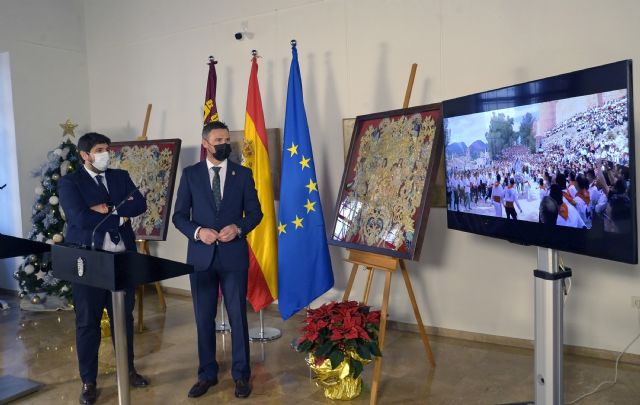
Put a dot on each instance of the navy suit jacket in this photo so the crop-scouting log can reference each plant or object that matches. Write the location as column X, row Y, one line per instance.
column 195, row 207
column 79, row 192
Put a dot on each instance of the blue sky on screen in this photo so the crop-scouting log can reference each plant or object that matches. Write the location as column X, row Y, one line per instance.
column 472, row 127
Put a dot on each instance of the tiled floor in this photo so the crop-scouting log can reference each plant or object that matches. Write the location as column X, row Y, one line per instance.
column 41, row 346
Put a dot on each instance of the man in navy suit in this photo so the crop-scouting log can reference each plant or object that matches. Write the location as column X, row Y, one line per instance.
column 87, row 196
column 216, row 206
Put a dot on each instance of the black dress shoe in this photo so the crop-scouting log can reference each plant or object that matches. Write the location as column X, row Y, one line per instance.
column 88, row 394
column 243, row 388
column 201, row 387
column 137, row 381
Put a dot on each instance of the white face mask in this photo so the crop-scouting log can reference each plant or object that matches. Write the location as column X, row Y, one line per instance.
column 101, row 161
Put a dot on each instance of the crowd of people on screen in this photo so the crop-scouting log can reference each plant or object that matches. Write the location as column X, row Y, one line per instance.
column 579, row 174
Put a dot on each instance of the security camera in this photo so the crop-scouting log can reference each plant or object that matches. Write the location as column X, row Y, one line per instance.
column 239, row 36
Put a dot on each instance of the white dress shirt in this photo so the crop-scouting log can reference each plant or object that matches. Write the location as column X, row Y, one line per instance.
column 108, row 244
column 223, row 174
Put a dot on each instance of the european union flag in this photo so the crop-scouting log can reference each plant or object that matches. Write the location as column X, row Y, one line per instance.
column 304, row 265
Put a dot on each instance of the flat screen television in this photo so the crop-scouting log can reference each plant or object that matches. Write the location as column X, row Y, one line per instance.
column 550, row 163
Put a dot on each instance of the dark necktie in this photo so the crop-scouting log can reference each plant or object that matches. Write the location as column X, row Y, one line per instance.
column 102, row 186
column 114, row 235
column 215, row 188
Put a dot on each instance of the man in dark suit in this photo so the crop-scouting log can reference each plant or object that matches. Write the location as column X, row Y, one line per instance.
column 87, row 196
column 216, row 206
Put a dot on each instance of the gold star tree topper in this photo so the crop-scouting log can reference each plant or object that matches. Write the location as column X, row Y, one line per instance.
column 67, row 128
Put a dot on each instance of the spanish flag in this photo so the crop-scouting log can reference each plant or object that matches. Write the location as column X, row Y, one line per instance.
column 263, row 251
column 210, row 109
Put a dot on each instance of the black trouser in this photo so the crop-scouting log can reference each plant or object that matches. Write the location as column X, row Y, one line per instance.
column 204, row 292
column 511, row 212
column 88, row 304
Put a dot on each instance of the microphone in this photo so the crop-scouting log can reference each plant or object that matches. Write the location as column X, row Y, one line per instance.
column 103, row 220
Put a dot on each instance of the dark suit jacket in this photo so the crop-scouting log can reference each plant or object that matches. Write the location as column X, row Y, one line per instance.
column 195, row 207
column 79, row 192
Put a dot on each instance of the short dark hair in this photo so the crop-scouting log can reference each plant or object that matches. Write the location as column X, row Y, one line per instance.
column 548, row 211
column 211, row 126
column 582, row 182
column 555, row 192
column 91, row 139
column 561, row 180
column 620, row 186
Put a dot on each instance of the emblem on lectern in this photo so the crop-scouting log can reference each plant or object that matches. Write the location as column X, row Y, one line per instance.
column 80, row 266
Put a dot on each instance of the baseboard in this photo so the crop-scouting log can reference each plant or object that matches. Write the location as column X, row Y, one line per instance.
column 629, row 358
column 602, row 354
column 464, row 335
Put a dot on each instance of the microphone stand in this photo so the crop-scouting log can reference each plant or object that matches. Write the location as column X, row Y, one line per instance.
column 119, row 327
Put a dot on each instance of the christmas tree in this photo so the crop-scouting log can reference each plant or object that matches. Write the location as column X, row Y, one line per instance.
column 34, row 274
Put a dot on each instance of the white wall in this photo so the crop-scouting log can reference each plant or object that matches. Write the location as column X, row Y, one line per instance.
column 10, row 221
column 355, row 57
column 46, row 45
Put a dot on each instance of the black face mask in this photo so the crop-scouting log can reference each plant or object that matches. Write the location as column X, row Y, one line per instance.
column 222, row 152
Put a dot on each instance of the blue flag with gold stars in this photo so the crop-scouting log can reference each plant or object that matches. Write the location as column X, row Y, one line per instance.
column 304, row 265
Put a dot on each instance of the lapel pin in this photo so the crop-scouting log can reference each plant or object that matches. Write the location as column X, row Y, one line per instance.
column 233, row 172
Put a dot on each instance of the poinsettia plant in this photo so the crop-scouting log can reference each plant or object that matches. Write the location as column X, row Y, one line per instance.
column 341, row 331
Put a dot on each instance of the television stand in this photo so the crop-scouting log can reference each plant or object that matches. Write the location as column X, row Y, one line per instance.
column 549, row 307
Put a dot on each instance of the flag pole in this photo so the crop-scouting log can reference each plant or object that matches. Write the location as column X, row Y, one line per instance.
column 261, row 333
column 222, row 326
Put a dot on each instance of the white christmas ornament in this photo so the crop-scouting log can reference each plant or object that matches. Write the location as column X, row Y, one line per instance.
column 53, row 200
column 39, row 190
column 57, row 152
column 57, row 238
column 64, row 288
column 40, row 237
column 40, row 274
column 65, row 152
column 49, row 242
column 29, row 269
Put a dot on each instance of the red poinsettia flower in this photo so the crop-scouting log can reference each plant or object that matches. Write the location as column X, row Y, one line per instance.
column 336, row 329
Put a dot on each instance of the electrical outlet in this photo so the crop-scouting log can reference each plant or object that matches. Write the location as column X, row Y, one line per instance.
column 635, row 302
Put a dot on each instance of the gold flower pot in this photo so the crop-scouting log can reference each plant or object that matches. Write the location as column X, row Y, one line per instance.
column 337, row 383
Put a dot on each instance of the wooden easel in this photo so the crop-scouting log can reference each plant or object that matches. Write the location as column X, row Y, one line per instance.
column 375, row 262
column 143, row 248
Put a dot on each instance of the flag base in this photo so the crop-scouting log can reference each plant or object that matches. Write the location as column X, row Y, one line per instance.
column 264, row 334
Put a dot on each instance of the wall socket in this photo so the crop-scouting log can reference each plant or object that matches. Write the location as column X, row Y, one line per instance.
column 635, row 302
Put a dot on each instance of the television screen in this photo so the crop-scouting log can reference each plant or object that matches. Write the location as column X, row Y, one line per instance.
column 549, row 163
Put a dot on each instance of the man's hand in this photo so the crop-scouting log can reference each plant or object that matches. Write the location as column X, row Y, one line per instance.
column 208, row 236
column 228, row 233
column 101, row 208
